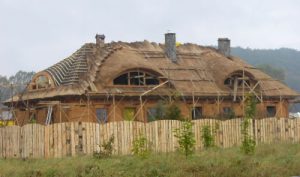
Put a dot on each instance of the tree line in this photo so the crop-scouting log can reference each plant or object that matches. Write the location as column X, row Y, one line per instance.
column 14, row 84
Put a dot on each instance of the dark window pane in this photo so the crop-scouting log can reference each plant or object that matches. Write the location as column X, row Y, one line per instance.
column 101, row 115
column 136, row 78
column 151, row 114
column 197, row 113
column 227, row 81
column 121, row 80
column 152, row 81
column 271, row 111
column 240, row 82
column 228, row 112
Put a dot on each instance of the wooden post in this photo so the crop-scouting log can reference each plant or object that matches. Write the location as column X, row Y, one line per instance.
column 141, row 108
column 218, row 103
column 114, row 107
column 243, row 91
column 280, row 103
column 28, row 110
column 88, row 107
column 60, row 112
column 193, row 108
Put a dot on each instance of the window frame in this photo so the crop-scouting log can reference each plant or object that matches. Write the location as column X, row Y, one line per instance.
column 105, row 110
column 230, row 79
column 34, row 85
column 194, row 110
column 274, row 109
column 129, row 108
column 137, row 78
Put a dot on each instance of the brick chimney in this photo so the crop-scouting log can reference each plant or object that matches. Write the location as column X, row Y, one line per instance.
column 170, row 46
column 224, row 46
column 100, row 40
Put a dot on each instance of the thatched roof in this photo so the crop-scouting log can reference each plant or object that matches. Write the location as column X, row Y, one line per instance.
column 200, row 71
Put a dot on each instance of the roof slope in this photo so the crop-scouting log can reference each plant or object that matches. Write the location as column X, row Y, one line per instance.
column 200, row 71
column 68, row 70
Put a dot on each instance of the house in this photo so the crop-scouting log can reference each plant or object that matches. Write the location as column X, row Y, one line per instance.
column 116, row 81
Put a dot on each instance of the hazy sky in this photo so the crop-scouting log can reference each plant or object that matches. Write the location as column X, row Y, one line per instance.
column 34, row 34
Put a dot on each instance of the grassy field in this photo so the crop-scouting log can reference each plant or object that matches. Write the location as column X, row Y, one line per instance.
column 269, row 160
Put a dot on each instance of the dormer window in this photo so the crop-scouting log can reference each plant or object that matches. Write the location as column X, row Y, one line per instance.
column 41, row 82
column 136, row 78
column 236, row 79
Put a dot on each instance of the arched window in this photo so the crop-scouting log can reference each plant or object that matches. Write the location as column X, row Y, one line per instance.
column 136, row 78
column 41, row 82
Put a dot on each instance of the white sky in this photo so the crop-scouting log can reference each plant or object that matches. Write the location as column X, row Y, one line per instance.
column 34, row 34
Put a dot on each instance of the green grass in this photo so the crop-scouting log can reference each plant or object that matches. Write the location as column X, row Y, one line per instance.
column 269, row 160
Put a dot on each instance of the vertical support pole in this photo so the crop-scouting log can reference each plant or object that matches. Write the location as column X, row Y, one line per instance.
column 243, row 102
column 235, row 88
column 28, row 110
column 280, row 104
column 218, row 103
column 114, row 107
column 141, row 108
column 88, row 107
column 60, row 112
column 193, row 108
column 12, row 98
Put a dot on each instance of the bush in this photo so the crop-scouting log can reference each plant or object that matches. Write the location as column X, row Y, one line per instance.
column 186, row 139
column 166, row 111
column 160, row 108
column 140, row 147
column 173, row 112
column 248, row 143
column 106, row 150
column 208, row 136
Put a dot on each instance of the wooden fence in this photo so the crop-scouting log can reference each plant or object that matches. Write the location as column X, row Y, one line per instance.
column 79, row 138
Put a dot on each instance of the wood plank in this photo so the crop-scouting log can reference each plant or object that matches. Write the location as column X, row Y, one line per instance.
column 84, row 138
column 72, row 140
column 87, row 143
column 64, row 138
column 76, row 138
column 46, row 142
column 68, row 148
column 1, row 142
column 55, row 139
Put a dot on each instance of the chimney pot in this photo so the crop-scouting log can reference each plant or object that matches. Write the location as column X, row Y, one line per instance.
column 170, row 46
column 224, row 46
column 100, row 39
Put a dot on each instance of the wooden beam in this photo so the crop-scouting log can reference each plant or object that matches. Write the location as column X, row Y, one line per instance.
column 154, row 88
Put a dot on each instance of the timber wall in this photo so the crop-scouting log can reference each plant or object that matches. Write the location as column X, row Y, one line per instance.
column 84, row 113
column 80, row 138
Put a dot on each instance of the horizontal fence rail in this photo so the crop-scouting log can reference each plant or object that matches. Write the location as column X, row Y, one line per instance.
column 80, row 138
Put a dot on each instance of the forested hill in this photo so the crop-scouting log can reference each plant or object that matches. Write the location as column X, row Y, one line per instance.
column 283, row 61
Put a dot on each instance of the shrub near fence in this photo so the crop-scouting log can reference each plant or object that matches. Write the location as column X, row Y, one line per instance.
column 76, row 138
